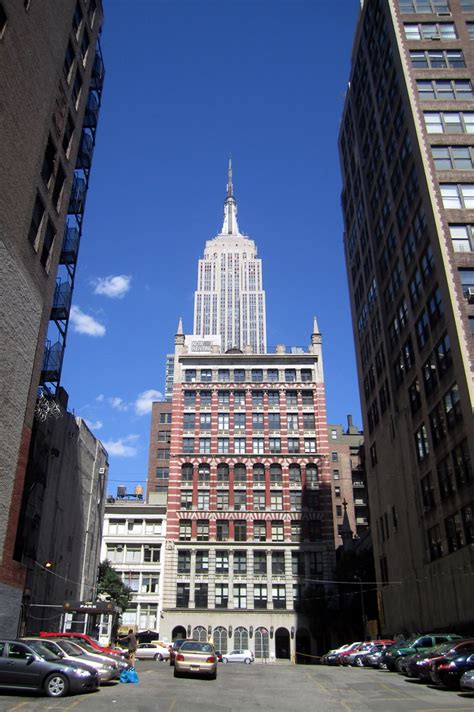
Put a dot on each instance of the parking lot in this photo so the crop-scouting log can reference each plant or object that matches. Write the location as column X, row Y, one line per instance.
column 251, row 688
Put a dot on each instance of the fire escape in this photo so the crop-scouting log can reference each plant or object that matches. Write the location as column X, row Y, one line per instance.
column 59, row 318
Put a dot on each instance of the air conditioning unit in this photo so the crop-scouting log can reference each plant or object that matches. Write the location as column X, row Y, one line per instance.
column 101, row 470
column 470, row 294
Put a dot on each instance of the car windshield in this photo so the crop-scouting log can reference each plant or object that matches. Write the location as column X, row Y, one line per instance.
column 49, row 644
column 42, row 650
column 71, row 649
column 197, row 647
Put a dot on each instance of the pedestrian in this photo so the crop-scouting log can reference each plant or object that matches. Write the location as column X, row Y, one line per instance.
column 132, row 645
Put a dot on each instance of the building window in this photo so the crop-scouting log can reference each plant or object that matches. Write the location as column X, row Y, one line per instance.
column 239, row 375
column 257, row 421
column 223, row 397
column 427, row 492
column 258, row 474
column 445, row 89
column 308, row 421
column 276, row 501
column 206, row 375
column 223, row 421
column 421, row 6
column 202, row 530
column 34, row 232
column 150, row 584
column 458, row 158
column 204, row 472
column 467, row 280
column 222, row 446
column 422, row 330
column 260, row 595
column 240, row 562
column 290, row 375
column 278, row 563
column 186, row 499
column 295, row 500
column 240, row 595
column 462, row 463
column 205, row 445
column 223, row 473
column 189, row 402
column 296, row 532
column 259, row 531
column 187, row 472
column 451, row 122
column 240, row 474
column 182, row 595
column 151, row 554
column 257, row 375
column 205, row 399
column 259, row 563
column 279, row 596
column 307, row 398
column 223, row 375
column 239, row 399
column 457, row 196
column 48, row 242
column 222, row 500
column 274, row 444
column 272, row 376
column 421, row 441
column 293, row 444
column 202, row 562
column 292, row 422
column 274, row 421
column 258, row 500
column 430, row 30
column 240, row 530
column 188, row 422
column 454, row 532
column 461, row 237
column 205, row 421
column 203, row 499
column 257, row 399
column 201, row 596
column 222, row 595
column 164, row 436
column 184, row 562
column 291, row 398
column 188, row 445
column 222, row 562
column 239, row 421
column 239, row 446
column 311, row 474
column 240, row 500
column 277, row 531
column 437, row 59
column 273, row 399
column 258, row 446
column 185, row 530
column 309, row 445
column 222, row 530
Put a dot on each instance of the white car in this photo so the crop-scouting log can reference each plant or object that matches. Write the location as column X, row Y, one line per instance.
column 152, row 651
column 239, row 656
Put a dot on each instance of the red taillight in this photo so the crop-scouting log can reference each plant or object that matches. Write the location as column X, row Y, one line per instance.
column 447, row 666
column 180, row 657
column 210, row 659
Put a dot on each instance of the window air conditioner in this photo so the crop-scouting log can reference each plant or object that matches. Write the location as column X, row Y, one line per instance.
column 470, row 294
column 101, row 470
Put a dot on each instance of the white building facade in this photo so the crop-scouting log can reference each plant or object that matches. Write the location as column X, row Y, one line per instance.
column 229, row 300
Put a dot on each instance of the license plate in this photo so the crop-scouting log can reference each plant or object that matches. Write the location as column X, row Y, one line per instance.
column 194, row 667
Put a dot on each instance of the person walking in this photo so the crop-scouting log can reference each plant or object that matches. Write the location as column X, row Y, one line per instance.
column 132, row 645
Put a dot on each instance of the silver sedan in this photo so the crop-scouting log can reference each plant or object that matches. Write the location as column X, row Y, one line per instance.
column 152, row 651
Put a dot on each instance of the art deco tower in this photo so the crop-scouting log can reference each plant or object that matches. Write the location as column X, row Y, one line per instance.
column 230, row 301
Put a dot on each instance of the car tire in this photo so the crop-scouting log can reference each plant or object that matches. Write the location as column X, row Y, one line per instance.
column 398, row 664
column 56, row 685
column 159, row 657
column 247, row 661
column 358, row 661
column 224, row 660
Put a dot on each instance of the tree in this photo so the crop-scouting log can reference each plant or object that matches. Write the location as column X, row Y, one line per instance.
column 109, row 583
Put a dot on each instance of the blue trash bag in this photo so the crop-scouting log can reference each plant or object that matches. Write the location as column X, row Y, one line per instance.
column 129, row 675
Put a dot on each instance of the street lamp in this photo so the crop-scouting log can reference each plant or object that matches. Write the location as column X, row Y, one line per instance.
column 357, row 578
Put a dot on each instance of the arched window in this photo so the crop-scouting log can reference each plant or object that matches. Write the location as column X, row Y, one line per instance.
column 258, row 474
column 275, row 474
column 187, row 472
column 311, row 474
column 204, row 472
column 240, row 473
column 295, row 474
column 222, row 472
column 262, row 645
column 241, row 638
column 220, row 639
column 200, row 633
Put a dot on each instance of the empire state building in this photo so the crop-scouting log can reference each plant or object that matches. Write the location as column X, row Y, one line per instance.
column 229, row 301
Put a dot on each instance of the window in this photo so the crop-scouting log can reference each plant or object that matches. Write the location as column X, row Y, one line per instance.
column 274, row 444
column 422, row 330
column 205, row 398
column 257, row 399
column 58, row 187
column 239, row 446
column 291, row 398
column 461, row 237
column 77, row 19
column 222, row 595
column 279, row 596
column 292, row 421
column 222, row 562
column 277, row 531
column 133, row 554
column 206, row 375
column 223, row 375
column 203, row 499
column 451, row 122
column 272, row 375
column 204, row 472
column 239, row 375
column 275, row 474
column 290, row 375
column 309, row 445
column 182, row 595
column 240, row 595
column 259, row 474
column 293, row 444
column 278, row 563
column 421, row 441
column 308, row 421
column 188, row 423
column 223, row 473
column 452, row 406
column 258, row 446
column 186, row 499
column 185, row 530
column 240, row 530
column 257, row 375
column 437, row 59
column 150, row 584
column 470, row 29
column 259, row 531
column 307, row 398
column 201, row 596
column 273, row 399
column 48, row 243
column 239, row 421
column 202, row 530
column 68, row 60
column 116, row 526
column 467, row 280
column 445, row 90
column 240, row 562
column 222, row 502
column 188, row 445
column 189, row 402
column 164, row 436
column 257, row 421
column 460, row 195
column 276, row 500
column 85, row 46
column 240, row 474
column 184, row 562
column 260, row 595
column 274, row 421
column 47, row 169
column 295, row 500
column 240, row 500
column 437, row 426
column 239, row 399
column 190, row 375
column 222, row 530
column 259, row 500
column 459, row 158
column 430, row 30
column 454, row 532
column 223, row 397
column 311, row 474
column 205, row 445
column 205, row 421
column 222, row 445
column 415, row 6
column 467, row 5
column 461, row 463
column 36, row 222
column 202, row 562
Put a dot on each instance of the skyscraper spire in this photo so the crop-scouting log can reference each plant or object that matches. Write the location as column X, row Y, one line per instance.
column 230, row 226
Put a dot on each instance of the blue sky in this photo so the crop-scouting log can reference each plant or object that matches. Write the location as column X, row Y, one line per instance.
column 189, row 82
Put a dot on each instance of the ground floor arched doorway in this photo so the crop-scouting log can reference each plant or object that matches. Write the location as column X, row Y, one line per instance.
column 282, row 643
column 303, row 647
column 178, row 632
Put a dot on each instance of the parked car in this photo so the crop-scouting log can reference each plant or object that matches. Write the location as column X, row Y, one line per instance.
column 420, row 644
column 175, row 647
column 330, row 658
column 449, row 670
column 118, row 662
column 109, row 649
column 195, row 657
column 375, row 659
column 342, row 654
column 419, row 665
column 467, row 681
column 152, row 651
column 358, row 657
column 107, row 670
column 33, row 667
column 238, row 656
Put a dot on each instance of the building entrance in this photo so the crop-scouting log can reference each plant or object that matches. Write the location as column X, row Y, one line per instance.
column 282, row 643
column 178, row 632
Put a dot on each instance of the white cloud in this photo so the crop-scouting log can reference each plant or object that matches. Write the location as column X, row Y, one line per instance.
column 100, row 398
column 113, row 287
column 121, row 447
column 118, row 403
column 145, row 399
column 97, row 425
column 85, row 324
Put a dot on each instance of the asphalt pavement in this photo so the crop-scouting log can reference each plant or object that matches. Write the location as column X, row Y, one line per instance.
column 279, row 687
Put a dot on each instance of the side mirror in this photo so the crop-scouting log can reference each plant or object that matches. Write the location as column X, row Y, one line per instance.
column 30, row 658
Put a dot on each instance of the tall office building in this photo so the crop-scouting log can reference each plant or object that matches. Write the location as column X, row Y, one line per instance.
column 50, row 92
column 230, row 301
column 249, row 519
column 407, row 158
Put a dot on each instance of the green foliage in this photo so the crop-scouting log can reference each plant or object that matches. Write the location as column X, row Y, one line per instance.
column 110, row 583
